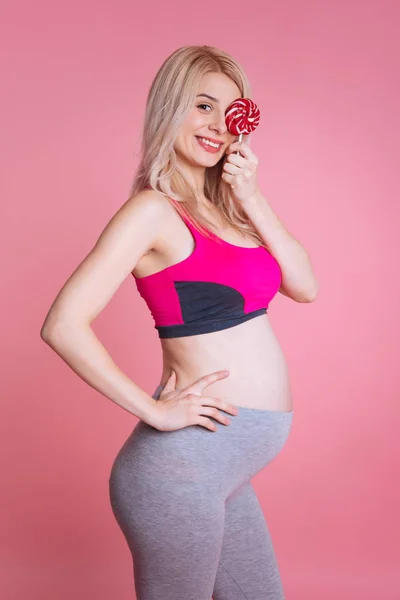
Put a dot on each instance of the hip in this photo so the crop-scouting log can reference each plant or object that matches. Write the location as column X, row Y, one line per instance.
column 220, row 460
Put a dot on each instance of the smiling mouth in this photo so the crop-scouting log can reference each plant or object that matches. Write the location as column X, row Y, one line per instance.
column 207, row 144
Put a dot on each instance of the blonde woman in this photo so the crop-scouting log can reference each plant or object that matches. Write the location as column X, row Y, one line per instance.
column 208, row 255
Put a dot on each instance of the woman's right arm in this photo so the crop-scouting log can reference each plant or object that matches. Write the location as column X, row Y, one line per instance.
column 131, row 232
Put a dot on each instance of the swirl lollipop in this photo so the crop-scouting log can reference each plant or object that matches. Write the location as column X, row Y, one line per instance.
column 242, row 117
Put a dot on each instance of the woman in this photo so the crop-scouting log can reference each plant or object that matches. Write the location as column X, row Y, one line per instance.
column 208, row 254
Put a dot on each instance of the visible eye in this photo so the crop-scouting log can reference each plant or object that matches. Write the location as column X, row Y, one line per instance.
column 199, row 105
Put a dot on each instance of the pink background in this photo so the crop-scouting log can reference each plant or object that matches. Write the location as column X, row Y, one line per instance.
column 326, row 77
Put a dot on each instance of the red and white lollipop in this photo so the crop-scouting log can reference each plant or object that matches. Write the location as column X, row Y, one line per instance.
column 242, row 117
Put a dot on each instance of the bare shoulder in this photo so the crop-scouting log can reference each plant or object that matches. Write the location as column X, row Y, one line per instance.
column 142, row 215
column 146, row 204
column 130, row 234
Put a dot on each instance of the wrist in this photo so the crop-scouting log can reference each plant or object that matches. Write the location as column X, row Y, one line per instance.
column 151, row 412
column 255, row 199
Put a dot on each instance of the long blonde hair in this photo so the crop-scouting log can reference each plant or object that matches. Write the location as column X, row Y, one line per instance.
column 170, row 99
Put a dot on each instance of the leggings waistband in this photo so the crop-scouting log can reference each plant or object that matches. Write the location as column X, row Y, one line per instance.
column 241, row 409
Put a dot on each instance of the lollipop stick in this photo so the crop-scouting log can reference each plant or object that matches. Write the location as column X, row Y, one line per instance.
column 239, row 140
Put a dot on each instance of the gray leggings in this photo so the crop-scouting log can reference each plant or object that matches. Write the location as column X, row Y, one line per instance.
column 185, row 504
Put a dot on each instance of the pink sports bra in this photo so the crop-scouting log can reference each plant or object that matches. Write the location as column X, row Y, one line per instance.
column 219, row 285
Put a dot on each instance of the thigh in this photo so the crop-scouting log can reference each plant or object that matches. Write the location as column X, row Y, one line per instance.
column 166, row 500
column 175, row 535
column 179, row 546
column 248, row 568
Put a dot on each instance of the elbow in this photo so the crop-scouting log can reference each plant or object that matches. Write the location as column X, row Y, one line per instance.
column 48, row 331
column 312, row 295
column 44, row 334
column 55, row 329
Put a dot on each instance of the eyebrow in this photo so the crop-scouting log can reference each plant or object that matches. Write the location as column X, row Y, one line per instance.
column 208, row 96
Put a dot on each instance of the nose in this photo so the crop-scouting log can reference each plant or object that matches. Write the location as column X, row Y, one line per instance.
column 219, row 123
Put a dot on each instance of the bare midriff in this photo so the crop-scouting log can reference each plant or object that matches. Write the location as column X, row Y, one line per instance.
column 258, row 376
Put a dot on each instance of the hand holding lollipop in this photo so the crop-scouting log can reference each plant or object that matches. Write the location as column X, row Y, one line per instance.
column 242, row 117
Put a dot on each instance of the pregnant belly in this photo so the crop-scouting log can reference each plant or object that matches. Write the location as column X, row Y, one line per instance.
column 258, row 376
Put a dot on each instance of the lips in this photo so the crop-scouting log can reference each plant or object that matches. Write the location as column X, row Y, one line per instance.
column 207, row 147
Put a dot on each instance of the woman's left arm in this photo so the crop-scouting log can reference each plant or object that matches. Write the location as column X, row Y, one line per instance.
column 298, row 278
column 240, row 172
